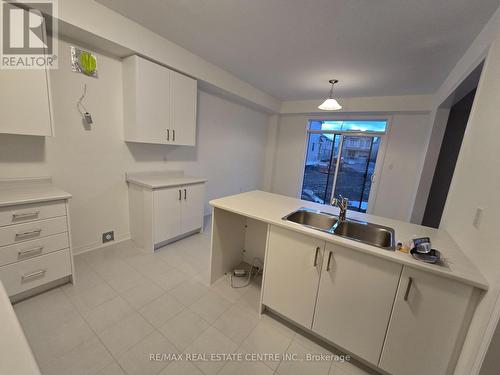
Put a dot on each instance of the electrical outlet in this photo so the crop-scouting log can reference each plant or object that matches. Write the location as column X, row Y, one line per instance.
column 477, row 217
column 108, row 236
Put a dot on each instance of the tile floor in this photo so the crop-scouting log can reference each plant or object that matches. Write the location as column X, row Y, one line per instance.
column 127, row 304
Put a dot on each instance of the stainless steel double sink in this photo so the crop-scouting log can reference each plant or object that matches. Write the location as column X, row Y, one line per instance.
column 368, row 233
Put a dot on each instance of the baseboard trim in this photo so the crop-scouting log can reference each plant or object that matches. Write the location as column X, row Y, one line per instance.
column 39, row 289
column 97, row 245
column 175, row 239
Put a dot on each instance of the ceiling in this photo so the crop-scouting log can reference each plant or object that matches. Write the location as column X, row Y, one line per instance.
column 291, row 48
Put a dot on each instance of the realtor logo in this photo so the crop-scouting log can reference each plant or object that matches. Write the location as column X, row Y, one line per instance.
column 26, row 43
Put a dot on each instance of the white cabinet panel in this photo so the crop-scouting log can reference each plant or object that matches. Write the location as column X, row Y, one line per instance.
column 22, row 276
column 29, row 212
column 183, row 94
column 30, row 249
column 146, row 88
column 292, row 271
column 355, row 298
column 426, row 324
column 192, row 207
column 25, row 102
column 159, row 104
column 159, row 215
column 34, row 229
column 167, row 213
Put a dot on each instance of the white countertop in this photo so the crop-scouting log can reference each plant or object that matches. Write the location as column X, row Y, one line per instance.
column 16, row 356
column 32, row 190
column 271, row 208
column 155, row 180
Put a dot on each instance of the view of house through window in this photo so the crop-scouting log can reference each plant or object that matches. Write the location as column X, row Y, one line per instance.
column 341, row 157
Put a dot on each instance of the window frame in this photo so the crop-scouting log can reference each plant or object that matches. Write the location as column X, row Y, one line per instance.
column 384, row 140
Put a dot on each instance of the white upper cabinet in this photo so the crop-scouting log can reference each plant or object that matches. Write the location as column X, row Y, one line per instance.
column 425, row 332
column 25, row 103
column 183, row 99
column 159, row 104
column 355, row 299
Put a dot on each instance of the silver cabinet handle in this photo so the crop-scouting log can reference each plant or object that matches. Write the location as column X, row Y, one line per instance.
column 24, row 215
column 180, row 194
column 408, row 288
column 329, row 260
column 35, row 232
column 173, row 135
column 316, row 256
column 39, row 273
column 168, row 134
column 30, row 252
column 185, row 194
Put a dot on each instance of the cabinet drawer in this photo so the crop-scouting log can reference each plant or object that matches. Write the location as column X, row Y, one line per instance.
column 28, row 274
column 30, row 249
column 29, row 231
column 29, row 212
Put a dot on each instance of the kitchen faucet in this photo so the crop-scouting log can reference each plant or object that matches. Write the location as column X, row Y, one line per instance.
column 342, row 204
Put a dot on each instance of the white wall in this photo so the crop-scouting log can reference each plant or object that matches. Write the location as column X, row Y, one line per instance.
column 367, row 104
column 91, row 164
column 476, row 183
column 98, row 24
column 402, row 166
column 404, row 157
column 440, row 117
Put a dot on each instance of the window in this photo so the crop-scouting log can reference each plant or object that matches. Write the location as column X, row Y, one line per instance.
column 340, row 160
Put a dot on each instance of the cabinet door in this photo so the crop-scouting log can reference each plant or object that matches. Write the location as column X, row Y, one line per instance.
column 355, row 298
column 25, row 102
column 166, row 213
column 292, row 271
column 429, row 314
column 152, row 97
column 183, row 94
column 193, row 202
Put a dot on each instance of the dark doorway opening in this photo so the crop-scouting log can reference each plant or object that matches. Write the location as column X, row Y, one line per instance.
column 447, row 159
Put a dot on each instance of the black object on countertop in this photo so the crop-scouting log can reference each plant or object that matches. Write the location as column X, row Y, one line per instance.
column 432, row 256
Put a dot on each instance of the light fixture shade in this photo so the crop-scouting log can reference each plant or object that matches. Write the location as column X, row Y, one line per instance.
column 330, row 104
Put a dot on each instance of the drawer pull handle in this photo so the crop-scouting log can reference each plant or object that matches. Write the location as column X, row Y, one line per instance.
column 35, row 232
column 185, row 194
column 316, row 257
column 33, row 275
column 408, row 288
column 329, row 260
column 173, row 135
column 168, row 134
column 30, row 252
column 180, row 194
column 25, row 215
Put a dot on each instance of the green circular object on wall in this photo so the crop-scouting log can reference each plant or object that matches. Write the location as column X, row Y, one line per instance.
column 87, row 62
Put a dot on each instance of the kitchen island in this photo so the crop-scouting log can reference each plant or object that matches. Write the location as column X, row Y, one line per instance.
column 380, row 305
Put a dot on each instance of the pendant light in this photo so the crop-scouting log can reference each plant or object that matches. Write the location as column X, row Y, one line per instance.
column 330, row 104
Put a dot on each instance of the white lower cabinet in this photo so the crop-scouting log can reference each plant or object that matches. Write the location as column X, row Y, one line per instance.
column 177, row 210
column 28, row 274
column 355, row 297
column 293, row 266
column 192, row 206
column 424, row 334
column 35, row 241
column 402, row 320
column 166, row 214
